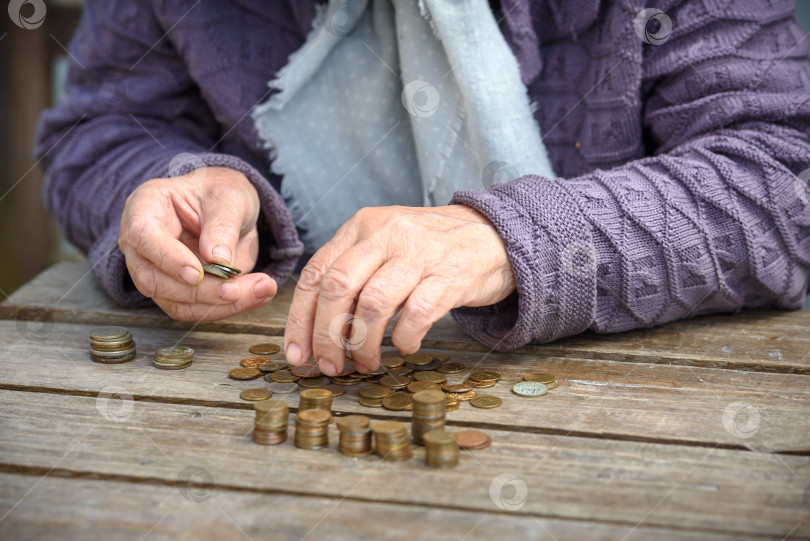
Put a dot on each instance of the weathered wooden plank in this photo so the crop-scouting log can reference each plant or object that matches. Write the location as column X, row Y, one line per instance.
column 59, row 508
column 644, row 402
column 617, row 482
column 774, row 341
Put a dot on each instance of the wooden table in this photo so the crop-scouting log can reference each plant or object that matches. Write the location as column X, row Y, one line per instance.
column 696, row 430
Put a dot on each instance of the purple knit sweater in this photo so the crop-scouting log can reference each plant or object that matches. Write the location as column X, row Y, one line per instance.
column 678, row 162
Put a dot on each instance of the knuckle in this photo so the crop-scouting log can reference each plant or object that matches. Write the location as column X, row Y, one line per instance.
column 310, row 278
column 295, row 322
column 374, row 301
column 419, row 311
column 336, row 282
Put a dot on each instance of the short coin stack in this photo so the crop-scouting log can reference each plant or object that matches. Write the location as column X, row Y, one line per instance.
column 221, row 270
column 355, row 435
column 315, row 399
column 111, row 345
column 312, row 429
column 392, row 440
column 270, row 426
column 429, row 408
column 173, row 358
column 441, row 449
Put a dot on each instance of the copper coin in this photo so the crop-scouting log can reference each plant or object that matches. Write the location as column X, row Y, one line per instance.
column 416, row 386
column 311, row 383
column 418, row 359
column 252, row 362
column 398, row 401
column 472, row 439
column 244, row 373
column 336, row 390
column 456, row 387
column 306, row 371
column 255, row 395
column 264, row 348
column 376, row 391
column 395, row 382
column 451, row 367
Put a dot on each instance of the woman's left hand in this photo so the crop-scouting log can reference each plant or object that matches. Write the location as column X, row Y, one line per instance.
column 424, row 261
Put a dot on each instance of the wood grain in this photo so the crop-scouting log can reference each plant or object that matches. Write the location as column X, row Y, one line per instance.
column 757, row 340
column 622, row 483
column 119, row 510
column 606, row 399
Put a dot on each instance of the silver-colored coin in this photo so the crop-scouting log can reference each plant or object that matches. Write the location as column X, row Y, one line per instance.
column 110, row 333
column 529, row 388
column 175, row 352
column 216, row 271
column 169, row 366
column 282, row 388
column 112, row 354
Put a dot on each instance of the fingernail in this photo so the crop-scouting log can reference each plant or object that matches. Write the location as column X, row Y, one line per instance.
column 261, row 289
column 228, row 292
column 222, row 253
column 191, row 275
column 327, row 368
column 293, row 354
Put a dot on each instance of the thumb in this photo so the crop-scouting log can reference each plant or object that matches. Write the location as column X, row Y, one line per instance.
column 221, row 228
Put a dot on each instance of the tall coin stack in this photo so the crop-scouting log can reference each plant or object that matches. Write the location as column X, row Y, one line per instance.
column 355, row 435
column 312, row 429
column 270, row 426
column 173, row 358
column 315, row 399
column 429, row 408
column 111, row 345
column 392, row 440
column 441, row 449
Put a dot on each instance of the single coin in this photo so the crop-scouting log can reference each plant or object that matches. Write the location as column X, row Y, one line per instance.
column 345, row 380
column 553, row 385
column 253, row 362
column 306, row 371
column 472, row 439
column 398, row 401
column 175, row 352
column 283, row 376
column 316, row 394
column 376, row 391
column 442, row 357
column 312, row 383
column 336, row 390
column 216, row 271
column 429, row 398
column 379, row 371
column 418, row 359
column 388, row 427
column 539, row 377
column 431, row 376
column 395, row 382
column 272, row 366
column 348, row 368
column 486, row 401
column 433, row 365
column 113, row 359
column 452, row 403
column 530, row 388
column 283, row 388
column 456, row 388
column 485, row 375
column 370, row 402
column 392, row 362
column 316, row 417
column 264, row 349
column 480, row 384
column 111, row 333
column 463, row 397
column 244, row 373
column 416, row 386
column 255, row 395
column 399, row 371
column 451, row 367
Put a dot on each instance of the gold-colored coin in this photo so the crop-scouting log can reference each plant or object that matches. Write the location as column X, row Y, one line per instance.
column 376, row 391
column 312, row 383
column 108, row 334
column 403, row 370
column 264, row 348
column 456, row 387
column 252, row 362
column 443, row 357
column 553, row 385
column 336, row 390
column 463, row 397
column 395, row 382
column 370, row 402
column 539, row 377
column 451, row 367
column 430, row 375
column 272, row 366
column 480, row 384
column 256, row 395
column 452, row 403
column 486, row 401
column 392, row 362
column 416, row 386
column 283, row 376
column 418, row 359
column 244, row 373
column 398, row 401
column 485, row 375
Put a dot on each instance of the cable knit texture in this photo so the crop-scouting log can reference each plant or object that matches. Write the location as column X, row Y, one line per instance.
column 678, row 192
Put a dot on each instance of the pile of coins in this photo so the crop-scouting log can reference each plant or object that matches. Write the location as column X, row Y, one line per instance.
column 315, row 399
column 173, row 358
column 312, row 429
column 270, row 425
column 391, row 439
column 111, row 345
column 221, row 270
column 429, row 409
column 355, row 435
column 441, row 449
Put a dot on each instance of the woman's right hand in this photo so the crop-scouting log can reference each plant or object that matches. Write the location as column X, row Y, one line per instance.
column 170, row 224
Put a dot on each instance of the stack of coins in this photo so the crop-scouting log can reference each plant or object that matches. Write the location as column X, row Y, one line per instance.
column 312, row 429
column 441, row 449
column 315, row 399
column 173, row 358
column 429, row 408
column 111, row 345
column 542, row 377
column 392, row 440
column 221, row 270
column 270, row 426
column 355, row 435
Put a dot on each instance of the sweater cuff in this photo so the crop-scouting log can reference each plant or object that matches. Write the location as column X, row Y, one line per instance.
column 279, row 244
column 554, row 259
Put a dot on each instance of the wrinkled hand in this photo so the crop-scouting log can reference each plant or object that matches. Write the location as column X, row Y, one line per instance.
column 424, row 261
column 170, row 224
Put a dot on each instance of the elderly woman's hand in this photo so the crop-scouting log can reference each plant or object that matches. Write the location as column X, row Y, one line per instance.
column 170, row 224
column 424, row 261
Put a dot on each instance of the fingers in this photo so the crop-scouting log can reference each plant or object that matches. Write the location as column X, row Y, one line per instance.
column 262, row 292
column 428, row 303
column 224, row 215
